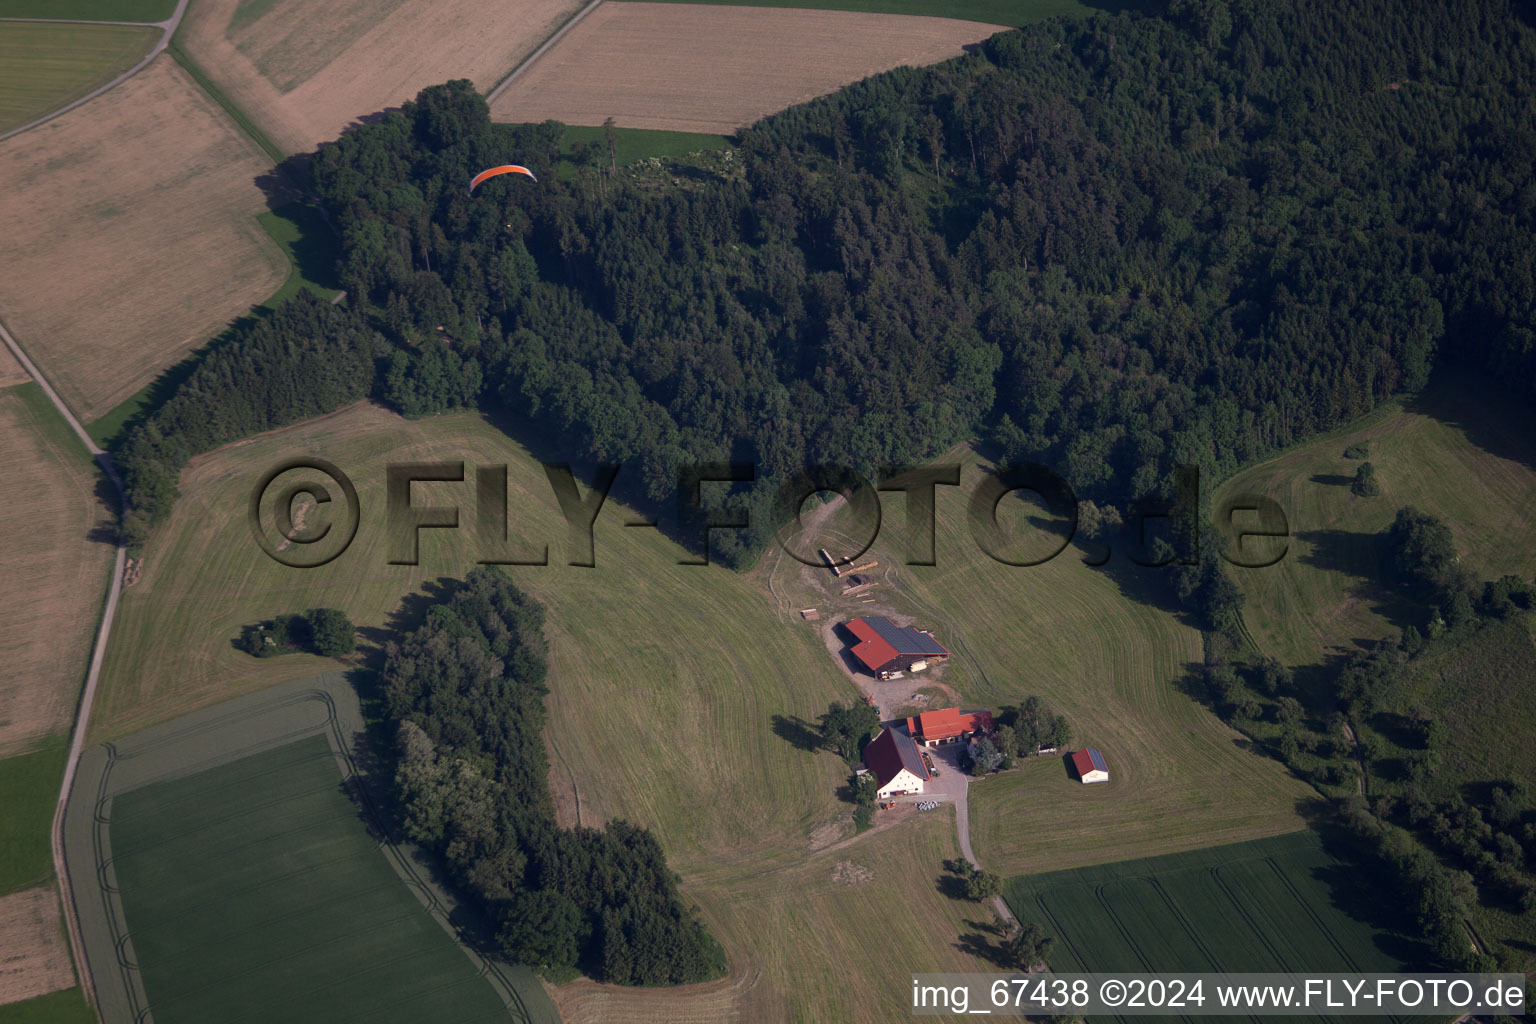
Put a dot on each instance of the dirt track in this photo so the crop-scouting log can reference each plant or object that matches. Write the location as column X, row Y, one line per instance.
column 707, row 68
column 305, row 71
column 131, row 236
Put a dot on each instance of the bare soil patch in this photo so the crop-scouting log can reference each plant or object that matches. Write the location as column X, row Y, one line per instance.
column 708, row 68
column 850, row 872
column 131, row 236
column 33, row 957
column 305, row 72
column 52, row 577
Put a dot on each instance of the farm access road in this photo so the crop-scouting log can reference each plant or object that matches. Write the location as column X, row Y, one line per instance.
column 167, row 30
column 93, row 674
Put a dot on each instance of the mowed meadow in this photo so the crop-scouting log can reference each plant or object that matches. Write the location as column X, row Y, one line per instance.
column 1085, row 640
column 715, row 69
column 303, row 72
column 666, row 681
column 1464, row 452
column 131, row 236
column 44, row 66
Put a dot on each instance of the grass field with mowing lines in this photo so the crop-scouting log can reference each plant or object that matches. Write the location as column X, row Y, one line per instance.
column 665, row 684
column 30, row 783
column 1267, row 905
column 43, row 67
column 66, row 1007
column 255, row 885
column 996, row 12
column 1463, row 452
column 90, row 10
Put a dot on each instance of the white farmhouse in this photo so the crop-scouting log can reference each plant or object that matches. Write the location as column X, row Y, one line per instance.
column 896, row 764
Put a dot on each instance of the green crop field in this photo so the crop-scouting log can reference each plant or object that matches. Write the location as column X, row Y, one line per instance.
column 991, row 12
column 43, row 67
column 89, row 10
column 1267, row 905
column 1464, row 452
column 66, row 1007
column 256, row 886
column 30, row 783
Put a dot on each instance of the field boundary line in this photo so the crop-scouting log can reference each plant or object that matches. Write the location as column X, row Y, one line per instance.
column 167, row 28
column 527, row 62
column 241, row 120
column 93, row 672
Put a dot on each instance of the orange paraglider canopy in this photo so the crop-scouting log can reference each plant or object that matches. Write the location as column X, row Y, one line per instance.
column 491, row 172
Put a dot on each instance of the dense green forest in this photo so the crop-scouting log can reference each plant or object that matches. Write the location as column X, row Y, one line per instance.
column 466, row 688
column 1114, row 245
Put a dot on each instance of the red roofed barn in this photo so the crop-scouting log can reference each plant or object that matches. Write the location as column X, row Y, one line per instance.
column 885, row 648
column 949, row 725
column 1089, row 765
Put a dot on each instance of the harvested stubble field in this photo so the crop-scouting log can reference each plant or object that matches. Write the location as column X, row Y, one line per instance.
column 304, row 72
column 55, row 569
column 1463, row 452
column 44, row 66
column 1084, row 640
column 131, row 236
column 33, row 958
column 667, row 682
column 10, row 370
column 708, row 68
column 89, row 10
column 1270, row 905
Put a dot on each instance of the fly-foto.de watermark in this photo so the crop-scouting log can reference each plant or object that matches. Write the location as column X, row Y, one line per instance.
column 305, row 513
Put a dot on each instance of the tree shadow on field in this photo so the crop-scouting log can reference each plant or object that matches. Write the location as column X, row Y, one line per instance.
column 1331, row 479
column 797, row 732
column 1359, row 887
column 104, row 529
column 411, row 613
column 979, row 945
column 1491, row 417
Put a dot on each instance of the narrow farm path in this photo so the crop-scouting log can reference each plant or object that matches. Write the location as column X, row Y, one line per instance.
column 93, row 674
column 167, row 30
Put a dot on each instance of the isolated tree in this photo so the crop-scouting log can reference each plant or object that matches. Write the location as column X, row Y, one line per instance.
column 847, row 728
column 1423, row 550
column 1028, row 946
column 332, row 633
column 986, row 759
column 982, row 886
column 1365, row 484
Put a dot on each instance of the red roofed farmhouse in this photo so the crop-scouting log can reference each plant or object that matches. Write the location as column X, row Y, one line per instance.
column 885, row 648
column 949, row 725
column 1089, row 765
column 893, row 759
